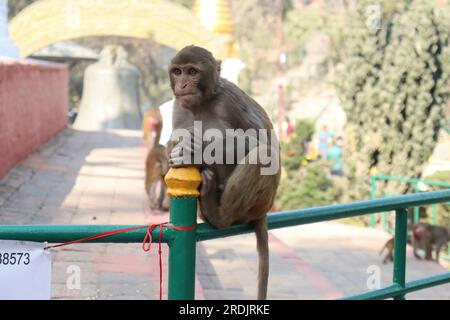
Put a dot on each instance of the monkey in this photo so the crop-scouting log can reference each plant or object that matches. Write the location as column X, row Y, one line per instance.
column 421, row 237
column 428, row 236
column 157, row 162
column 152, row 126
column 422, row 214
column 389, row 245
column 156, row 167
column 229, row 193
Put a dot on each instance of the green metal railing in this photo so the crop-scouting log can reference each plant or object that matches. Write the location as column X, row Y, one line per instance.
column 182, row 244
column 415, row 218
column 415, row 182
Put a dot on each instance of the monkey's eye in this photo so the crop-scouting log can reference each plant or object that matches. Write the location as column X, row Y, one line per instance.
column 176, row 71
column 192, row 71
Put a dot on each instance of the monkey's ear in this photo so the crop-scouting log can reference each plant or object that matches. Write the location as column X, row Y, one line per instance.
column 218, row 66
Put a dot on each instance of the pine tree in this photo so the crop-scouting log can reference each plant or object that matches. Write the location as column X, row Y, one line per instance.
column 394, row 85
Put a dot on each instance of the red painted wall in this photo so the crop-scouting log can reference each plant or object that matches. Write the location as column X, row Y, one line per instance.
column 33, row 107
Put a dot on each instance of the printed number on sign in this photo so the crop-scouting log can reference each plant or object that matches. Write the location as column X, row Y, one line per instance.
column 15, row 258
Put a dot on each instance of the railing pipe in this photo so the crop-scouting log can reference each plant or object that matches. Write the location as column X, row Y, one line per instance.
column 182, row 187
column 320, row 214
column 401, row 220
column 65, row 233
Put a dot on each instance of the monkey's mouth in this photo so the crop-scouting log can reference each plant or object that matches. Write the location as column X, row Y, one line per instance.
column 186, row 94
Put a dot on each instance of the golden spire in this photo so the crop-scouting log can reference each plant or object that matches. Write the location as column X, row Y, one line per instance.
column 214, row 15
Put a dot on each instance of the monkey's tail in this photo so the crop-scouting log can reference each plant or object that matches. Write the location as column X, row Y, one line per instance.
column 384, row 247
column 391, row 240
column 262, row 245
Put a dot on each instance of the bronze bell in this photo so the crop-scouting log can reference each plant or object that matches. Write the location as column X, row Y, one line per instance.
column 112, row 93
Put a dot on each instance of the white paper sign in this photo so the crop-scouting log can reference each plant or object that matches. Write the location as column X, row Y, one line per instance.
column 25, row 271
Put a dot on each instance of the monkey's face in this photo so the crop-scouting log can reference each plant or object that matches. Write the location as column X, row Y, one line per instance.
column 186, row 84
column 194, row 75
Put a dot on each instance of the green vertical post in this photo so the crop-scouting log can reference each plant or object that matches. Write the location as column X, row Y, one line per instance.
column 401, row 220
column 373, row 195
column 182, row 187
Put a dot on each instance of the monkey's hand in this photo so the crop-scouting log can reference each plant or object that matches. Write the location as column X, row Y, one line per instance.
column 187, row 152
column 208, row 182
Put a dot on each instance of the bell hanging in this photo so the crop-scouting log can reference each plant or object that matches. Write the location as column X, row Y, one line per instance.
column 112, row 93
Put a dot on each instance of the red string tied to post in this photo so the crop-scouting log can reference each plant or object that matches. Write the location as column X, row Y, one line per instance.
column 147, row 240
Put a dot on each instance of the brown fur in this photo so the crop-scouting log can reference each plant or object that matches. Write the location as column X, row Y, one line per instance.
column 152, row 126
column 229, row 193
column 157, row 164
column 389, row 245
column 429, row 236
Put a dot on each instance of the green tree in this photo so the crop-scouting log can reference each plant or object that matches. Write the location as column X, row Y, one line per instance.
column 309, row 187
column 301, row 26
column 255, row 28
column 293, row 152
column 443, row 209
column 393, row 87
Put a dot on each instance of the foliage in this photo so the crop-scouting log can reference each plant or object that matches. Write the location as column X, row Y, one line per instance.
column 443, row 210
column 308, row 187
column 301, row 26
column 305, row 185
column 254, row 24
column 293, row 152
column 393, row 87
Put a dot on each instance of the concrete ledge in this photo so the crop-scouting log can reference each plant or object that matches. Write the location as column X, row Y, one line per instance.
column 33, row 107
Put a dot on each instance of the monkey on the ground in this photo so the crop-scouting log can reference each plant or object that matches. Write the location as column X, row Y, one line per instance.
column 157, row 162
column 152, row 126
column 429, row 236
column 411, row 212
column 229, row 193
column 389, row 246
column 156, row 167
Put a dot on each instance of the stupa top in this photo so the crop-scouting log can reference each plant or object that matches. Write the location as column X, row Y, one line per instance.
column 214, row 15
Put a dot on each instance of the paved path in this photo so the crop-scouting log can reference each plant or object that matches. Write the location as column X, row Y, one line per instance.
column 97, row 178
